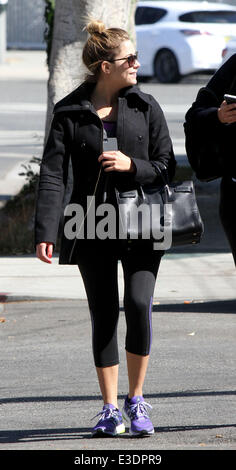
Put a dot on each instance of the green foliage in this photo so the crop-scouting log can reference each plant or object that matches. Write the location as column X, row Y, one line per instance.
column 17, row 223
column 17, row 216
column 30, row 176
column 49, row 19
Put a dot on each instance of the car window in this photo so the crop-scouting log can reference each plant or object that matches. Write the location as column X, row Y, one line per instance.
column 148, row 15
column 209, row 17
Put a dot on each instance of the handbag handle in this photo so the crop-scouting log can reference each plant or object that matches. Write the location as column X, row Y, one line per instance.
column 141, row 192
column 162, row 173
column 165, row 179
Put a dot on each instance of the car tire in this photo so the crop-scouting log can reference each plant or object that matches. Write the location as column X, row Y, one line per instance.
column 166, row 67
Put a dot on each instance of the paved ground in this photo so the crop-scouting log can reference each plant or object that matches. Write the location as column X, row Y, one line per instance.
column 49, row 391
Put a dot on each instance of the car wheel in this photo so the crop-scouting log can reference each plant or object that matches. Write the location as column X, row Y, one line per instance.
column 166, row 67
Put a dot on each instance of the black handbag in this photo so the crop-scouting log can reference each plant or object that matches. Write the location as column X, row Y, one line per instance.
column 164, row 213
column 167, row 213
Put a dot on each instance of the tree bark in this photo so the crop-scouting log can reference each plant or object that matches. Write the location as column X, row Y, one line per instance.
column 66, row 70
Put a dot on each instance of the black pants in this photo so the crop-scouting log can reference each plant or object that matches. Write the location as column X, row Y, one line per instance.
column 227, row 209
column 99, row 270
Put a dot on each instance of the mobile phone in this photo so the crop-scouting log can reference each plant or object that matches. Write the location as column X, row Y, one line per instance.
column 110, row 143
column 230, row 99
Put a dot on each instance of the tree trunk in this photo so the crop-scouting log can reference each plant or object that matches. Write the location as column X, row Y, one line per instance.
column 66, row 70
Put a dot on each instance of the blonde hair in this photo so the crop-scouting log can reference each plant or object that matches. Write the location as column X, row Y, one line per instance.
column 101, row 45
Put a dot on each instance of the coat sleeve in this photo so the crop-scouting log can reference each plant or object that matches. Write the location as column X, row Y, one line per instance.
column 52, row 183
column 160, row 149
column 209, row 143
column 204, row 110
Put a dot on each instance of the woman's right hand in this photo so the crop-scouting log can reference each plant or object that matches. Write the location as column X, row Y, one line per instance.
column 44, row 251
column 227, row 113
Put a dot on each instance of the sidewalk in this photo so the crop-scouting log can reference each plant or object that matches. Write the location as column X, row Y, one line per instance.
column 182, row 277
column 24, row 65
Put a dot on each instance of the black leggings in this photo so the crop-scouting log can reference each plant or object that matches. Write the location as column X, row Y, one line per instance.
column 99, row 272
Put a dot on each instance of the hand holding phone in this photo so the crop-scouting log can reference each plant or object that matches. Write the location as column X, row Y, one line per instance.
column 227, row 110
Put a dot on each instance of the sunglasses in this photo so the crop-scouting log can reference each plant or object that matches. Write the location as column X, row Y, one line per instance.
column 131, row 59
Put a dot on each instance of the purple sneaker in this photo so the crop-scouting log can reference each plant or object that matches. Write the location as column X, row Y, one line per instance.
column 135, row 409
column 110, row 423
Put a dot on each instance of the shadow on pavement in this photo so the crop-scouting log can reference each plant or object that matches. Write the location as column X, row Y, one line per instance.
column 177, row 394
column 37, row 435
column 216, row 306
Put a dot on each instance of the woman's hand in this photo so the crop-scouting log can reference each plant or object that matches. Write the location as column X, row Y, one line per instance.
column 44, row 251
column 114, row 160
column 227, row 113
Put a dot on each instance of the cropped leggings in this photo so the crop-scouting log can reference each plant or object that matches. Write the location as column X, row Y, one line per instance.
column 99, row 271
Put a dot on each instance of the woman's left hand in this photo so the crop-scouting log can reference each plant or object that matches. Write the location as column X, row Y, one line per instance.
column 114, row 160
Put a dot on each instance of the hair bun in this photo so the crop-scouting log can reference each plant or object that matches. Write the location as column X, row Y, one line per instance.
column 96, row 26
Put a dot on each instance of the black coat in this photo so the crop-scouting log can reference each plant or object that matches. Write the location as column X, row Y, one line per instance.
column 77, row 133
column 210, row 144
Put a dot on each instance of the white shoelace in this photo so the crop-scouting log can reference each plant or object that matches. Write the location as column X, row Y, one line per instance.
column 106, row 414
column 139, row 409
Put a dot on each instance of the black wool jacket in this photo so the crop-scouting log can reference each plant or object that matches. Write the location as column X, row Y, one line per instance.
column 210, row 144
column 76, row 139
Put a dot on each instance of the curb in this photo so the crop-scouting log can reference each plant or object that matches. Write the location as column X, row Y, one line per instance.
column 157, row 301
column 4, row 299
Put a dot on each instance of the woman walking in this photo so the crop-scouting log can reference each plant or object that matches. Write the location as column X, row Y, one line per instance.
column 109, row 99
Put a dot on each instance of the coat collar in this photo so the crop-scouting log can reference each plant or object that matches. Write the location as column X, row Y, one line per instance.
column 79, row 99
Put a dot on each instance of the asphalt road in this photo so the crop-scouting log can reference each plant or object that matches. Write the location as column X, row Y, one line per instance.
column 22, row 120
column 49, row 389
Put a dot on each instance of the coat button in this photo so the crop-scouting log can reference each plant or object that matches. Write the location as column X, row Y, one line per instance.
column 140, row 137
column 136, row 110
column 83, row 144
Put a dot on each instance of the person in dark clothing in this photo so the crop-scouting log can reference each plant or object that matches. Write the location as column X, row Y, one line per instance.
column 210, row 129
column 109, row 99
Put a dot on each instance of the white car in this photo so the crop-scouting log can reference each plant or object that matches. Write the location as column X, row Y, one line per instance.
column 179, row 38
column 229, row 50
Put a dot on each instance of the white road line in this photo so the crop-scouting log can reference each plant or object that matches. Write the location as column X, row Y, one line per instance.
column 175, row 108
column 14, row 143
column 10, row 108
column 29, row 139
